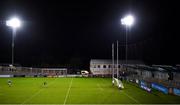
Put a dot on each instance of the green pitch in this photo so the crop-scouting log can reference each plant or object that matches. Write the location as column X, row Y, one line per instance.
column 76, row 91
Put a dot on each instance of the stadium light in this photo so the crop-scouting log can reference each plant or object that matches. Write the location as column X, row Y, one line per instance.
column 14, row 23
column 128, row 21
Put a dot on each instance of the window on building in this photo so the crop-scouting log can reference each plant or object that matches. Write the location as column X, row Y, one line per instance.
column 109, row 66
column 104, row 66
column 99, row 66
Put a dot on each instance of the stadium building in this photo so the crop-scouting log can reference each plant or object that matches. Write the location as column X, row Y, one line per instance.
column 103, row 67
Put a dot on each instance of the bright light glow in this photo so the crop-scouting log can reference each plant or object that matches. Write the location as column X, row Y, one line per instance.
column 14, row 23
column 128, row 20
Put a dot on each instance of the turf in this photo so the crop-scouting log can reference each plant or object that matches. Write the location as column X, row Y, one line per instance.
column 77, row 91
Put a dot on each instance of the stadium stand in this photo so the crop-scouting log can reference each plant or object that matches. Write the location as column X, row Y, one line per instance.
column 19, row 71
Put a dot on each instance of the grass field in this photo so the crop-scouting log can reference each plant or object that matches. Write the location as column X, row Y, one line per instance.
column 77, row 91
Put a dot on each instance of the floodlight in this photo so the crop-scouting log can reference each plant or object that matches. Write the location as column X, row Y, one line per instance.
column 14, row 22
column 128, row 20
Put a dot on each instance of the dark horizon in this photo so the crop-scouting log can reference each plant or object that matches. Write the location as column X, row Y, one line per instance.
column 70, row 32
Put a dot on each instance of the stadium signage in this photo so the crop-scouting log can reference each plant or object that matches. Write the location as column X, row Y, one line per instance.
column 160, row 88
column 176, row 91
column 5, row 76
column 143, row 85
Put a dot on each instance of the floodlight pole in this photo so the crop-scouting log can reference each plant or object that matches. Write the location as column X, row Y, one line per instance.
column 13, row 23
column 126, row 44
column 13, row 35
column 112, row 61
column 117, row 62
column 127, row 21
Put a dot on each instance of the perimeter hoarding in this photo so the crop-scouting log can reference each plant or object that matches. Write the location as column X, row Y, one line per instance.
column 160, row 88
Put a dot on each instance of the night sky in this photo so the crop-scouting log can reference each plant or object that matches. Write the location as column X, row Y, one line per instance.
column 75, row 31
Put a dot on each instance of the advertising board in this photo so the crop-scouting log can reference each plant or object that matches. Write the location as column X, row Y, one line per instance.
column 160, row 88
column 144, row 86
column 176, row 91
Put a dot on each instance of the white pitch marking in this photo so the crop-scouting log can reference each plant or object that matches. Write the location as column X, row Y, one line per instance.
column 67, row 94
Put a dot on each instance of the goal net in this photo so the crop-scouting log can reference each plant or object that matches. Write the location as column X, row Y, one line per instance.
column 118, row 83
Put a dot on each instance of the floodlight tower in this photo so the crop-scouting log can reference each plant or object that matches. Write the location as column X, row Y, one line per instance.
column 112, row 63
column 14, row 23
column 128, row 21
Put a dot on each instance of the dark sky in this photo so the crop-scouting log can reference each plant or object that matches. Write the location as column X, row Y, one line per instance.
column 75, row 31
